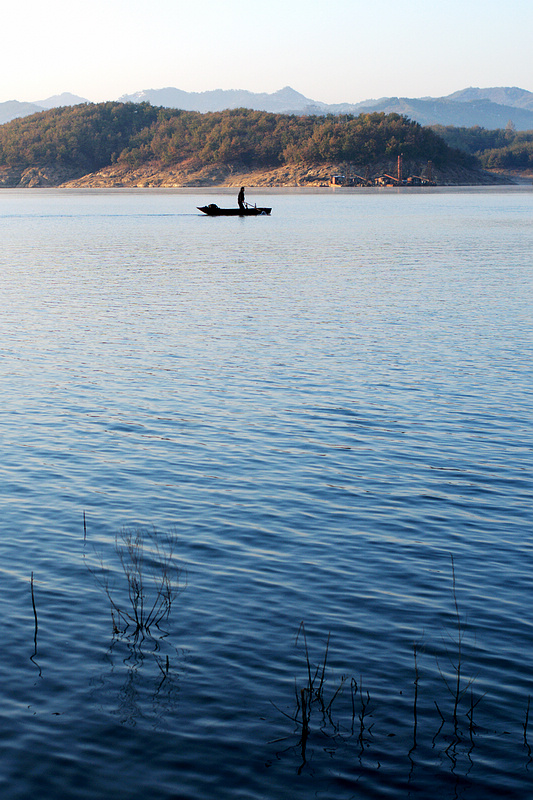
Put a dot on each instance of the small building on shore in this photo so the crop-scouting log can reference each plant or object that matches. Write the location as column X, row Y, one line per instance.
column 347, row 179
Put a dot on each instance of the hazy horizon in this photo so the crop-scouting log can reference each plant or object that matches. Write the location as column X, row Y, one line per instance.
column 61, row 93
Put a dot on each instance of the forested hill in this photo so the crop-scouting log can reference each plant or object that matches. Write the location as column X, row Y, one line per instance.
column 496, row 149
column 85, row 138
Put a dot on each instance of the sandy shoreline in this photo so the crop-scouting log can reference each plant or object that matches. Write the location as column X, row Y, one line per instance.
column 154, row 175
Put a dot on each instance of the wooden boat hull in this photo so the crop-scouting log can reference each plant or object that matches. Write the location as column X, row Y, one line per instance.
column 212, row 210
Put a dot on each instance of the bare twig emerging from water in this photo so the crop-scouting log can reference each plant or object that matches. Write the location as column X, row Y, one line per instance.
column 34, row 609
column 460, row 633
column 36, row 628
column 526, row 722
column 459, row 687
column 153, row 581
column 415, row 701
column 312, row 694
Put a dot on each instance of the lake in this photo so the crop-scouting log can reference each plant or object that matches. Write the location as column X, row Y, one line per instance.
column 266, row 495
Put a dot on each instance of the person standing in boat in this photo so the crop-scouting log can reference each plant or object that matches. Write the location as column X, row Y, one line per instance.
column 240, row 199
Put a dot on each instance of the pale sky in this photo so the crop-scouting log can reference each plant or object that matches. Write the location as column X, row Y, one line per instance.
column 329, row 50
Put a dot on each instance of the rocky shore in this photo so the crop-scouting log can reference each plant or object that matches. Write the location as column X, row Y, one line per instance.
column 155, row 175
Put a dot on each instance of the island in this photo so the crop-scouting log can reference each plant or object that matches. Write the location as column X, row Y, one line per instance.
column 117, row 144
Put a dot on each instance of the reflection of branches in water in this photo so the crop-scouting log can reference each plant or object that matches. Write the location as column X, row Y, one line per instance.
column 142, row 686
column 152, row 581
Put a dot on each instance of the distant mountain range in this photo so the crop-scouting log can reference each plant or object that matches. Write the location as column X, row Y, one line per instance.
column 490, row 108
column 13, row 108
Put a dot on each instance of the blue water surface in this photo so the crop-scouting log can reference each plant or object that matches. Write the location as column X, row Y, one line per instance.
column 328, row 411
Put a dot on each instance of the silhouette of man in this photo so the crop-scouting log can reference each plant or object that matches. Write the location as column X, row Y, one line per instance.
column 240, row 199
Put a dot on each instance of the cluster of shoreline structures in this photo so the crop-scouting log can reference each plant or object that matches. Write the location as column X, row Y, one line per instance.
column 155, row 175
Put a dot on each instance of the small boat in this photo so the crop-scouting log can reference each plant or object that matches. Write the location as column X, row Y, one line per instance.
column 212, row 210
